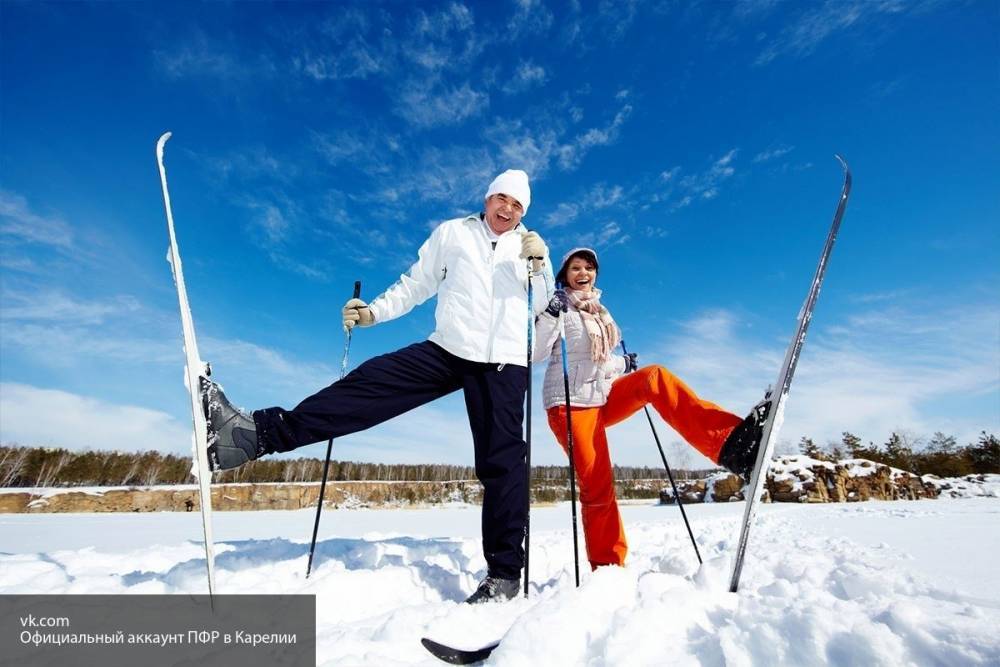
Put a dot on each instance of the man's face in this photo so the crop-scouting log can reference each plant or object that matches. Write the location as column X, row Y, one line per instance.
column 503, row 212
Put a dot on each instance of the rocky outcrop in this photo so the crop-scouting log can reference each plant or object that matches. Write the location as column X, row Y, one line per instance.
column 800, row 479
column 234, row 497
column 797, row 479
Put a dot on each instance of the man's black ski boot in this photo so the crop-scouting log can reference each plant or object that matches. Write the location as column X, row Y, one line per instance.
column 739, row 452
column 495, row 589
column 232, row 434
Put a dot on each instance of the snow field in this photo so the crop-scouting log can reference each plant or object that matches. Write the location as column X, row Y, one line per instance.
column 890, row 583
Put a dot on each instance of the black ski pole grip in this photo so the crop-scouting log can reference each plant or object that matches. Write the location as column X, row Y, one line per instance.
column 357, row 289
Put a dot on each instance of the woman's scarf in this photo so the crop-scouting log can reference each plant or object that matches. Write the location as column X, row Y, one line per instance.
column 597, row 321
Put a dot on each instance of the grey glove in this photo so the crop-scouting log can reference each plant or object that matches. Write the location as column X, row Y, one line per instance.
column 558, row 304
column 631, row 362
column 357, row 312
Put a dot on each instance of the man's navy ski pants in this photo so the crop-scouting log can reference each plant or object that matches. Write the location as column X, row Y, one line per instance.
column 391, row 384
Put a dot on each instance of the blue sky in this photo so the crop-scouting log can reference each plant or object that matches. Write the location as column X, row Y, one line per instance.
column 317, row 144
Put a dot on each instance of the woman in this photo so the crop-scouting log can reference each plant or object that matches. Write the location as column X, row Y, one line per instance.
column 607, row 388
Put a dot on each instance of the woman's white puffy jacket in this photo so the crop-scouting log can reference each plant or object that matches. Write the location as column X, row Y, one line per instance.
column 482, row 306
column 589, row 381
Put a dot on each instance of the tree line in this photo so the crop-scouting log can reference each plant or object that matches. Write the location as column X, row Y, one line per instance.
column 51, row 467
column 940, row 455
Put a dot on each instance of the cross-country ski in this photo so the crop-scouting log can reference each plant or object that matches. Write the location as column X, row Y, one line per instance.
column 195, row 372
column 772, row 408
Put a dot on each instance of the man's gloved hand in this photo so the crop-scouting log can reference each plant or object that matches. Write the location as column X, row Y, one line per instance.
column 533, row 247
column 357, row 312
column 558, row 304
column 631, row 362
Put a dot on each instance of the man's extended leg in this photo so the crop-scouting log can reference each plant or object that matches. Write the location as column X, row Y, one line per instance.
column 494, row 398
column 377, row 390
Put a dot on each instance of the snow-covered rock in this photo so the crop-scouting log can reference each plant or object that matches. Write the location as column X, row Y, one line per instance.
column 970, row 486
column 801, row 479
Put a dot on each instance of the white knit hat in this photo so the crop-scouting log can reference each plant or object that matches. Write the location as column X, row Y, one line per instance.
column 513, row 182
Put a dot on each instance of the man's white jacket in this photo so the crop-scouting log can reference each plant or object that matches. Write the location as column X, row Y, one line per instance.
column 482, row 306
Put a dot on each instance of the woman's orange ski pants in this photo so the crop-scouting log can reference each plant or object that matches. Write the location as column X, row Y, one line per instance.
column 703, row 424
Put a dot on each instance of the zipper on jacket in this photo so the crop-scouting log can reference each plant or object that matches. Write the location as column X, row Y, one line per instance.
column 492, row 334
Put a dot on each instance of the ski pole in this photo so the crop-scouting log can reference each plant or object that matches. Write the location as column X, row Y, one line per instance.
column 670, row 475
column 569, row 446
column 329, row 445
column 527, row 437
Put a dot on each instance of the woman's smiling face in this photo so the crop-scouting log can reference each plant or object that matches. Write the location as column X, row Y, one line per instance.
column 581, row 274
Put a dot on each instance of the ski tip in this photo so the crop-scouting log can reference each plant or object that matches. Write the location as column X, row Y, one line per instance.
column 161, row 141
column 456, row 656
column 840, row 158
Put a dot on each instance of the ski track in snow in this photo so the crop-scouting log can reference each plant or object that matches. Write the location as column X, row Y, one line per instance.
column 820, row 586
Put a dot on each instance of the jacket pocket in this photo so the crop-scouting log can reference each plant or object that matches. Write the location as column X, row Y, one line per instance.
column 576, row 378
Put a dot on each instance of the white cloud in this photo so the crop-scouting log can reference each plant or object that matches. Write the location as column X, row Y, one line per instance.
column 51, row 417
column 18, row 223
column 444, row 39
column 745, row 9
column 533, row 144
column 521, row 147
column 616, row 17
column 872, row 374
column 817, row 22
column 275, row 226
column 527, row 75
column 427, row 105
column 600, row 196
column 772, row 153
column 564, row 214
column 703, row 185
column 354, row 60
column 243, row 364
column 571, row 154
column 271, row 221
column 200, row 56
column 251, row 162
column 55, row 306
column 456, row 176
column 586, row 26
column 530, row 17
column 372, row 150
column 59, row 330
column 607, row 236
column 345, row 22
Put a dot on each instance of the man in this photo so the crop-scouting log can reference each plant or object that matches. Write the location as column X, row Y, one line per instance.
column 477, row 267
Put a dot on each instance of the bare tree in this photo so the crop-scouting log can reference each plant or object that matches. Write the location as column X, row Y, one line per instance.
column 132, row 474
column 151, row 474
column 49, row 472
column 12, row 464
